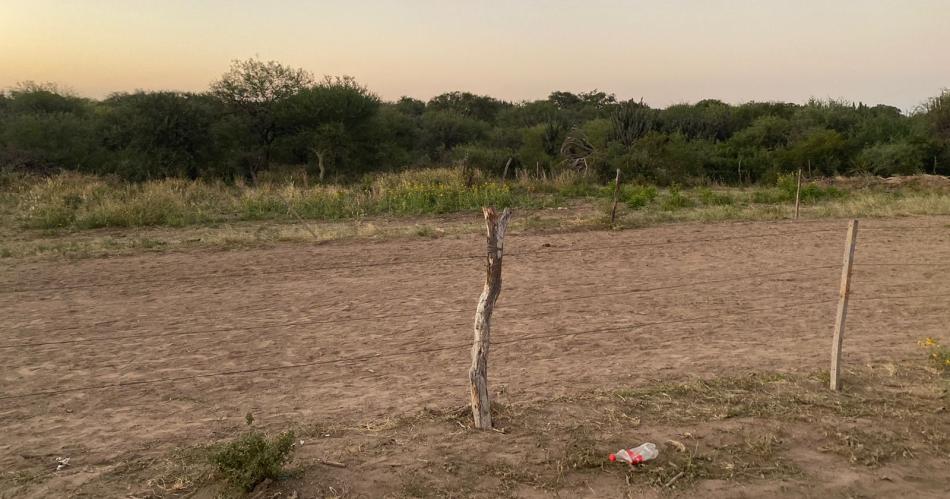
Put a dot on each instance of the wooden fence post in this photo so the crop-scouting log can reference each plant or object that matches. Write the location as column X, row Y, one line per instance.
column 613, row 211
column 844, row 291
column 798, row 192
column 496, row 224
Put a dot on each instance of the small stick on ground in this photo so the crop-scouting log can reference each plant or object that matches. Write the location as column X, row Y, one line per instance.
column 331, row 463
column 675, row 478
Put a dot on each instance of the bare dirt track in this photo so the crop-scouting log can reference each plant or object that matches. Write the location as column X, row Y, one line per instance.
column 102, row 358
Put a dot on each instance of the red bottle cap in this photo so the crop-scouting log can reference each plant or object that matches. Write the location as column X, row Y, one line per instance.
column 612, row 457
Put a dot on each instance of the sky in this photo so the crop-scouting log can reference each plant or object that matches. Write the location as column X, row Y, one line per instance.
column 663, row 51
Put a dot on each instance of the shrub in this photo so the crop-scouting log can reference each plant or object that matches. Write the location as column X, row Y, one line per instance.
column 488, row 159
column 771, row 196
column 788, row 184
column 253, row 458
column 710, row 197
column 260, row 205
column 899, row 158
column 579, row 190
column 675, row 200
column 636, row 196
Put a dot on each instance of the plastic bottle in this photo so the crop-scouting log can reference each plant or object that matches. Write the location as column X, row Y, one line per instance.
column 638, row 455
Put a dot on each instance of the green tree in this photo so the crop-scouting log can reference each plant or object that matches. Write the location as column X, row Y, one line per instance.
column 334, row 120
column 824, row 149
column 254, row 88
column 707, row 119
column 410, row 106
column 936, row 114
column 31, row 97
column 899, row 158
column 443, row 130
column 159, row 134
column 630, row 121
column 43, row 127
column 479, row 107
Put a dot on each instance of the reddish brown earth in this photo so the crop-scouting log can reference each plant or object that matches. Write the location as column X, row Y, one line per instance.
column 103, row 359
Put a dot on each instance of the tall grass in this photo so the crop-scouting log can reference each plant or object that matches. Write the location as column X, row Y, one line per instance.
column 78, row 201
column 75, row 201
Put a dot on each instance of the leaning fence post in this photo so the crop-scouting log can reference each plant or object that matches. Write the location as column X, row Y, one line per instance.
column 496, row 224
column 613, row 211
column 844, row 291
column 798, row 192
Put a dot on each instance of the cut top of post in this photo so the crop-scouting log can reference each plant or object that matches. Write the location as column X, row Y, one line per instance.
column 496, row 225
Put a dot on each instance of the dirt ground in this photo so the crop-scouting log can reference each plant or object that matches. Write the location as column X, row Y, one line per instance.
column 111, row 361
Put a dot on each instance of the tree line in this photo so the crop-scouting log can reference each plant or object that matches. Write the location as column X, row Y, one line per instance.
column 262, row 113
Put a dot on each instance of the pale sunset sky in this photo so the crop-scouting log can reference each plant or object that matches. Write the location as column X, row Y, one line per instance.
column 665, row 51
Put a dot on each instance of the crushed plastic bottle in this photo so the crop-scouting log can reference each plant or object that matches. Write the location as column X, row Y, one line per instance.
column 637, row 455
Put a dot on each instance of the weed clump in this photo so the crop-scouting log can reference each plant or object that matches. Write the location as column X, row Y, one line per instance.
column 675, row 200
column 253, row 458
column 939, row 355
column 710, row 197
column 638, row 196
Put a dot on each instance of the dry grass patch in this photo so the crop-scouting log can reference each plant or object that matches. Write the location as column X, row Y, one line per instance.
column 751, row 430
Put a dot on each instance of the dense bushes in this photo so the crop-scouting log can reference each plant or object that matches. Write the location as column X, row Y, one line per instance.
column 263, row 113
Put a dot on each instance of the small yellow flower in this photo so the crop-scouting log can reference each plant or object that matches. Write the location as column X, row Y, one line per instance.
column 927, row 342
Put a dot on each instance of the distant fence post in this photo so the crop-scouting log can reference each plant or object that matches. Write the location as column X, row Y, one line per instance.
column 497, row 225
column 504, row 174
column 844, row 291
column 798, row 192
column 613, row 211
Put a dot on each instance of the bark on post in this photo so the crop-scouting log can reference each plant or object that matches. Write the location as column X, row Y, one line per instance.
column 497, row 225
column 613, row 211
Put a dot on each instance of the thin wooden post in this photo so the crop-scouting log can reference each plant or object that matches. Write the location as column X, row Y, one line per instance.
column 798, row 193
column 844, row 291
column 497, row 225
column 504, row 174
column 613, row 211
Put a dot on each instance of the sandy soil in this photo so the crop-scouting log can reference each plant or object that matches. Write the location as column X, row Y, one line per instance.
column 145, row 353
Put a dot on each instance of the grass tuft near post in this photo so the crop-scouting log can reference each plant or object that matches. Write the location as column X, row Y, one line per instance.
column 496, row 225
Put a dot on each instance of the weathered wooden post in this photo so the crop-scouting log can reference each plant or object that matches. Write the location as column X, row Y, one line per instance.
column 798, row 192
column 844, row 291
column 496, row 224
column 613, row 211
